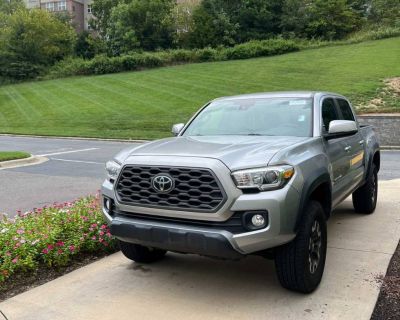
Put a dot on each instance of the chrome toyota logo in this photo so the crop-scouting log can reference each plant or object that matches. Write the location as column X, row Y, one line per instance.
column 162, row 183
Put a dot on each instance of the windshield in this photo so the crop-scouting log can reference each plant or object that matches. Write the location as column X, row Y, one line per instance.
column 264, row 117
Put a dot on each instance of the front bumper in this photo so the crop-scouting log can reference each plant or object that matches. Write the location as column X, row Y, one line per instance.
column 282, row 206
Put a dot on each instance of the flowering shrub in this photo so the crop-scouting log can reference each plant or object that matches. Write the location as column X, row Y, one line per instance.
column 52, row 236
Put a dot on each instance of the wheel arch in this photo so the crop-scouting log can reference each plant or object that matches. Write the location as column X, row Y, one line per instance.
column 316, row 187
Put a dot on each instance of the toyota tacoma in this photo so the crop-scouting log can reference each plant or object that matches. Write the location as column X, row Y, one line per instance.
column 256, row 174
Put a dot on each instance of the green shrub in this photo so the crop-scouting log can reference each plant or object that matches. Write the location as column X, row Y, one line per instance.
column 52, row 236
column 261, row 48
column 20, row 70
column 206, row 55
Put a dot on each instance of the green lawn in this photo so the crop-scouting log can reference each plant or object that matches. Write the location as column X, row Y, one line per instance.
column 13, row 155
column 145, row 104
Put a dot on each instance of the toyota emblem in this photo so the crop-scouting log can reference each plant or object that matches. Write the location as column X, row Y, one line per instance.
column 162, row 183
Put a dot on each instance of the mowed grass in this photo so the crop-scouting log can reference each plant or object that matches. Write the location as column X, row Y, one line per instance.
column 144, row 105
column 13, row 155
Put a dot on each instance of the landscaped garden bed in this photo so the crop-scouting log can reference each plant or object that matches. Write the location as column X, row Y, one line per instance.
column 13, row 155
column 388, row 304
column 41, row 245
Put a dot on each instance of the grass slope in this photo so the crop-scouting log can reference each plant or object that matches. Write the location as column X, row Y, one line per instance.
column 146, row 104
column 13, row 155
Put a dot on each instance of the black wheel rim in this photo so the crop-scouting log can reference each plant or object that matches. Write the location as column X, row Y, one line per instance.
column 314, row 247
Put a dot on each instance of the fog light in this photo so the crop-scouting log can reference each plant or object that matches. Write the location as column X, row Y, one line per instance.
column 107, row 204
column 258, row 220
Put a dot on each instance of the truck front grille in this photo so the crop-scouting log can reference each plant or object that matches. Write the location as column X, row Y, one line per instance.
column 195, row 189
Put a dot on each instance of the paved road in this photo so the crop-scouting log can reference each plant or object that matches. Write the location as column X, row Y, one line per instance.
column 76, row 168
column 195, row 288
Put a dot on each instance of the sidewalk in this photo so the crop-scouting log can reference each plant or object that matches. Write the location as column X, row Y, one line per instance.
column 192, row 287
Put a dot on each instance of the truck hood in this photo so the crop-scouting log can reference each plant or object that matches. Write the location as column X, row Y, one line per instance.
column 236, row 152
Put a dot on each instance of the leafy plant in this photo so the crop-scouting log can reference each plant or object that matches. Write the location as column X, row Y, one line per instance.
column 52, row 236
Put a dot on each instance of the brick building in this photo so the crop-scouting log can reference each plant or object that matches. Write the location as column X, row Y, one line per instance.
column 80, row 10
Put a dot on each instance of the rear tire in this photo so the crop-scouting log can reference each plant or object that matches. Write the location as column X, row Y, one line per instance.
column 366, row 197
column 140, row 253
column 300, row 264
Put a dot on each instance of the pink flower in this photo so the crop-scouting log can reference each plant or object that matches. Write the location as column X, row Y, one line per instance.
column 94, row 225
column 101, row 233
column 15, row 260
column 45, row 251
column 8, row 254
column 20, row 231
column 50, row 247
column 60, row 244
column 72, row 248
column 103, row 227
column 94, row 238
column 59, row 251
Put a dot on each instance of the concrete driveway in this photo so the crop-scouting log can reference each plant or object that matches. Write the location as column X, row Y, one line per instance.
column 191, row 287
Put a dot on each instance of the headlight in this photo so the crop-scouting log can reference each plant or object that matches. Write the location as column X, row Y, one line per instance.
column 263, row 178
column 112, row 169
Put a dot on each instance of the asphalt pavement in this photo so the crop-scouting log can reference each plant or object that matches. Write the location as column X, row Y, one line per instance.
column 76, row 168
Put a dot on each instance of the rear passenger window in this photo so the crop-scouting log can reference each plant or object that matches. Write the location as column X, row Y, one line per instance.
column 328, row 112
column 345, row 110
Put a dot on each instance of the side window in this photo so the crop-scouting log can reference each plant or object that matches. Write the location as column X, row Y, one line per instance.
column 345, row 110
column 328, row 112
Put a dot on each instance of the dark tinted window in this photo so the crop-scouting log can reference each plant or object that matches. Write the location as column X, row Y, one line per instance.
column 328, row 112
column 345, row 110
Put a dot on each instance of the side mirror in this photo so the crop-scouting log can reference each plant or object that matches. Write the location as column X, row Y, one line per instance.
column 177, row 128
column 341, row 128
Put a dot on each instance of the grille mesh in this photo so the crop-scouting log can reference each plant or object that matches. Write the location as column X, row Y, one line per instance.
column 196, row 189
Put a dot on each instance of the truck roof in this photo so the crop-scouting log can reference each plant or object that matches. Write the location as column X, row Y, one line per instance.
column 278, row 94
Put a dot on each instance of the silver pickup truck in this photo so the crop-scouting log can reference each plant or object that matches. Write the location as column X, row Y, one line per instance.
column 252, row 174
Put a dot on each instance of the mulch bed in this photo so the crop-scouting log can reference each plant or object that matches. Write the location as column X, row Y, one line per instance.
column 22, row 282
column 388, row 304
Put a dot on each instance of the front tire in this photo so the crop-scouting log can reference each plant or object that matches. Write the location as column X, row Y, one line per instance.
column 366, row 197
column 140, row 253
column 300, row 264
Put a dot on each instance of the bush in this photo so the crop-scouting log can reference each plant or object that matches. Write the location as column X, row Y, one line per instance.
column 261, row 48
column 52, row 237
column 206, row 55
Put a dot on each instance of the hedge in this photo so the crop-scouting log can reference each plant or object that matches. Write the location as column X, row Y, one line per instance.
column 136, row 61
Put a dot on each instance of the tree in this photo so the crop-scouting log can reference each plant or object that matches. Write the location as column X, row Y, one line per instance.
column 212, row 26
column 330, row 19
column 88, row 46
column 141, row 24
column 384, row 12
column 10, row 6
column 101, row 9
column 32, row 40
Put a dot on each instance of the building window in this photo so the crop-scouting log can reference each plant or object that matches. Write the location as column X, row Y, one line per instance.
column 49, row 6
column 89, row 8
column 61, row 6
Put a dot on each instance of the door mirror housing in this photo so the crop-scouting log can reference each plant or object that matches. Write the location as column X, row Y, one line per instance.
column 341, row 128
column 177, row 128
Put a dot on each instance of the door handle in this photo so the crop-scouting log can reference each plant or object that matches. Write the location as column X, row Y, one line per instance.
column 347, row 149
column 361, row 142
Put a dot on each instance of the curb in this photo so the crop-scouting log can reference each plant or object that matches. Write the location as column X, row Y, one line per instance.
column 388, row 148
column 32, row 160
column 73, row 138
